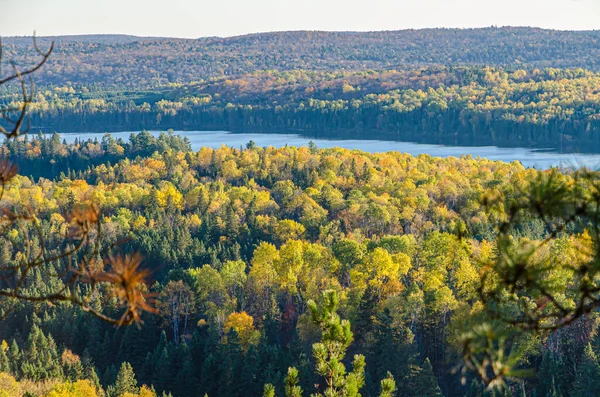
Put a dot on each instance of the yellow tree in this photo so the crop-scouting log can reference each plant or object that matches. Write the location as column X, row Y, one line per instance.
column 80, row 388
column 243, row 325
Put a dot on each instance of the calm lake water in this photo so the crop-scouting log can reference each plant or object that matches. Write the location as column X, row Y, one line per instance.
column 528, row 157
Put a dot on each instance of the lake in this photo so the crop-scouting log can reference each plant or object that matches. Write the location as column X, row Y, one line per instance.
column 538, row 158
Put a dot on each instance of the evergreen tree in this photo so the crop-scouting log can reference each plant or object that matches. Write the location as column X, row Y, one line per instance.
column 423, row 381
column 209, row 378
column 553, row 390
column 587, row 379
column 291, row 384
column 365, row 315
column 185, row 378
column 249, row 382
column 388, row 386
column 40, row 359
column 106, row 356
column 109, row 376
column 162, row 376
column 393, row 350
column 125, row 382
column 231, row 361
column 550, row 373
column 72, row 366
column 329, row 354
column 269, row 390
column 14, row 358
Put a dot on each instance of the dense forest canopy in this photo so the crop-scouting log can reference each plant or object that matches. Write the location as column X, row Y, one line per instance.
column 241, row 240
column 134, row 62
column 464, row 105
column 284, row 271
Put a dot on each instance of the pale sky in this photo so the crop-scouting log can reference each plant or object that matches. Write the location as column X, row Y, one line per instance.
column 198, row 18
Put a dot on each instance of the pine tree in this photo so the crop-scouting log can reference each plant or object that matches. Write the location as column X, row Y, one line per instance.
column 92, row 375
column 72, row 366
column 185, row 378
column 388, row 386
column 129, row 348
column 231, row 361
column 106, row 356
column 109, row 376
column 162, row 376
column 269, row 390
column 209, row 378
column 197, row 348
column 90, row 335
column 423, row 382
column 393, row 350
column 587, row 379
column 298, row 356
column 249, row 373
column 269, row 367
column 291, row 384
column 553, row 390
column 365, row 315
column 550, row 373
column 329, row 354
column 14, row 358
column 39, row 360
column 126, row 382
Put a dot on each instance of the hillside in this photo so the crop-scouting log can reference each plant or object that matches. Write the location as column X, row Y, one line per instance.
column 448, row 105
column 117, row 60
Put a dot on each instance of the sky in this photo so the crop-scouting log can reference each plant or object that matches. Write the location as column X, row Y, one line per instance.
column 200, row 18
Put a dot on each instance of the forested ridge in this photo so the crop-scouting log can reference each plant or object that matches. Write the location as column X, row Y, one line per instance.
column 450, row 105
column 494, row 86
column 138, row 62
column 241, row 240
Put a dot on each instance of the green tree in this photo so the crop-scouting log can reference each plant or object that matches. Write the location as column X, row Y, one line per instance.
column 393, row 350
column 329, row 354
column 553, row 390
column 331, row 351
column 269, row 390
column 423, row 382
column 125, row 382
column 40, row 359
column 587, row 379
column 549, row 374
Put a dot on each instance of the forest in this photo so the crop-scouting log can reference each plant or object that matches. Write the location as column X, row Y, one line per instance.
column 252, row 251
column 143, row 268
column 495, row 86
column 114, row 61
column 449, row 105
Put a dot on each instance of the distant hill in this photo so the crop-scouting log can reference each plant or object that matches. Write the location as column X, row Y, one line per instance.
column 24, row 41
column 136, row 62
